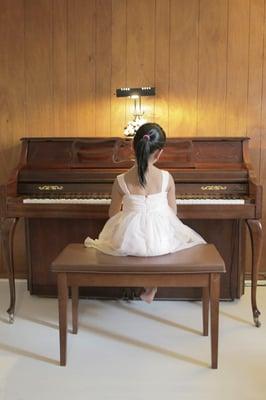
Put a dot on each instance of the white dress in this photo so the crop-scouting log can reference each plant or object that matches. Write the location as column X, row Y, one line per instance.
column 146, row 226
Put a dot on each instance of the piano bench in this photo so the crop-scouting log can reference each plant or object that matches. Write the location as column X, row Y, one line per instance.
column 199, row 266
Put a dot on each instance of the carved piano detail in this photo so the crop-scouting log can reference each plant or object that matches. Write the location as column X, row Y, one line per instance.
column 62, row 188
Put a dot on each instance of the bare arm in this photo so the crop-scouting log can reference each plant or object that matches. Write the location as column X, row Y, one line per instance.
column 171, row 194
column 116, row 200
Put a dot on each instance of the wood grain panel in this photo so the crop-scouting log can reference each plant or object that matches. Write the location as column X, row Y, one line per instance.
column 81, row 67
column 183, row 68
column 118, row 77
column 162, row 63
column 254, row 125
column 72, row 61
column 213, row 30
column 103, row 67
column 237, row 68
column 141, row 50
column 12, row 118
column 59, row 67
column 262, row 172
column 38, row 67
column 86, row 85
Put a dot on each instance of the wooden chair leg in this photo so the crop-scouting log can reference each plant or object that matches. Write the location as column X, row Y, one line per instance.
column 62, row 306
column 75, row 302
column 205, row 309
column 214, row 301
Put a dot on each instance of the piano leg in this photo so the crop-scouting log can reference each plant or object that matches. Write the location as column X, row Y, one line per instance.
column 255, row 230
column 7, row 238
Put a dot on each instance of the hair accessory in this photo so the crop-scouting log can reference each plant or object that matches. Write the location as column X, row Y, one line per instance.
column 146, row 137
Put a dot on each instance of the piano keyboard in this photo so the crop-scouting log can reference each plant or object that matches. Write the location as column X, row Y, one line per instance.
column 108, row 201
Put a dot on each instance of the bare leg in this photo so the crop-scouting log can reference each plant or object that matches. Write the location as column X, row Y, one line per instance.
column 148, row 294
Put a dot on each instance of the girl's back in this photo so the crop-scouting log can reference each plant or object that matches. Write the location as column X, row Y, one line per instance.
column 153, row 181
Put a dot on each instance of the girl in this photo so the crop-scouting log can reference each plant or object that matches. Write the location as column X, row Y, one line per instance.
column 147, row 225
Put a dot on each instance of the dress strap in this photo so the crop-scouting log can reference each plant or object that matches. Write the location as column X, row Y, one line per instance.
column 165, row 180
column 122, row 183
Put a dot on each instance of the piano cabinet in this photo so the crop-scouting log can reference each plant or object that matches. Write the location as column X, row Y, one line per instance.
column 45, row 238
column 67, row 168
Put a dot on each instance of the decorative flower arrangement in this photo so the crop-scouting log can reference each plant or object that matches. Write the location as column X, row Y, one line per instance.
column 133, row 126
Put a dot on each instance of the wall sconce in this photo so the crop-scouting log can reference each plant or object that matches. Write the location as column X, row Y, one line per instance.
column 135, row 94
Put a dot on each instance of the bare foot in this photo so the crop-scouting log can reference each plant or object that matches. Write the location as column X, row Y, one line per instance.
column 148, row 295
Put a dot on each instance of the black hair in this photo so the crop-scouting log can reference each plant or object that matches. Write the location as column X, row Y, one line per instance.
column 148, row 138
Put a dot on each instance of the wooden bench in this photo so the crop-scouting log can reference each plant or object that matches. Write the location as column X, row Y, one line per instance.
column 199, row 266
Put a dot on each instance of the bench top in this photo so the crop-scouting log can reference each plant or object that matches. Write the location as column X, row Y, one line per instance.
column 76, row 257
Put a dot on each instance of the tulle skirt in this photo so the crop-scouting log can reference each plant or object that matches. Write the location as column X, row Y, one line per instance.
column 141, row 233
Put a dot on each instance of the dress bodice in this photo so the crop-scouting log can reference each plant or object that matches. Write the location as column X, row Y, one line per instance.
column 149, row 203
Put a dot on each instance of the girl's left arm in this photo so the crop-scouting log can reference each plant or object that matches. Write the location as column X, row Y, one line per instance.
column 171, row 194
column 116, row 200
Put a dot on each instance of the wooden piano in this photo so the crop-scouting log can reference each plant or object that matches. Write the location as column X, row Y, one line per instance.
column 62, row 188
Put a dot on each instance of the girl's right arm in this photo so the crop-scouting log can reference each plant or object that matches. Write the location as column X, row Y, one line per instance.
column 171, row 193
column 116, row 201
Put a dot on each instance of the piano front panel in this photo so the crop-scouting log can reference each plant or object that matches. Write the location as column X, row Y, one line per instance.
column 54, row 234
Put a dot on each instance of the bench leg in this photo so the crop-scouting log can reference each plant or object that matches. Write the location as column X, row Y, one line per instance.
column 214, row 301
column 205, row 309
column 75, row 303
column 62, row 306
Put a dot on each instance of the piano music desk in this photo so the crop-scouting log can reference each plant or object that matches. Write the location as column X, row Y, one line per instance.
column 199, row 266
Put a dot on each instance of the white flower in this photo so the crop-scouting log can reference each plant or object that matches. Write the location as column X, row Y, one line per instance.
column 133, row 126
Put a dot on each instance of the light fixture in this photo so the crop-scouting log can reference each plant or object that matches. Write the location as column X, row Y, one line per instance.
column 129, row 92
column 135, row 94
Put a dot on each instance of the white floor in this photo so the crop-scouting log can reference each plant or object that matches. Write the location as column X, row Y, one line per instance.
column 131, row 351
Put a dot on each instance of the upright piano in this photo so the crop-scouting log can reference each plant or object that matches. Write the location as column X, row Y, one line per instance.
column 62, row 188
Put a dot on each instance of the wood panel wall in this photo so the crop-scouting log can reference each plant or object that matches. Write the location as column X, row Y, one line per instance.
column 61, row 61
